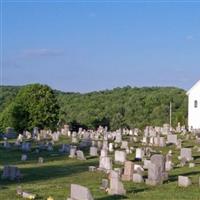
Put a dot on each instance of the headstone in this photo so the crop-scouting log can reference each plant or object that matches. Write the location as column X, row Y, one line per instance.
column 105, row 163
column 118, row 137
column 26, row 146
column 183, row 181
column 186, row 153
column 72, row 152
column 191, row 165
column 116, row 186
column 128, row 171
column 168, row 165
column 172, row 139
column 80, row 155
column 11, row 173
column 40, row 160
column 23, row 157
column 104, row 153
column 162, row 142
column 65, row 148
column 79, row 192
column 104, row 184
column 93, row 151
column 124, row 145
column 139, row 154
column 120, row 156
column 158, row 160
column 110, row 147
column 49, row 147
column 137, row 178
column 154, row 175
column 146, row 163
column 92, row 168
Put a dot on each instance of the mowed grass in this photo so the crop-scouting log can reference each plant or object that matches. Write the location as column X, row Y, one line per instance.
column 54, row 176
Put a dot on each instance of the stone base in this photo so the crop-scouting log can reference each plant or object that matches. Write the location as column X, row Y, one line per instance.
column 107, row 171
column 126, row 177
column 152, row 182
column 114, row 192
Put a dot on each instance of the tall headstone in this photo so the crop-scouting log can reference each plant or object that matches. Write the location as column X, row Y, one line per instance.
column 116, row 186
column 128, row 171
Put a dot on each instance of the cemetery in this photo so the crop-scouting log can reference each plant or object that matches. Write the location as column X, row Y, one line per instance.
column 57, row 161
column 101, row 164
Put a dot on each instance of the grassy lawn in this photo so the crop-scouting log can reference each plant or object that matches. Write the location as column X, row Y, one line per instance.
column 54, row 176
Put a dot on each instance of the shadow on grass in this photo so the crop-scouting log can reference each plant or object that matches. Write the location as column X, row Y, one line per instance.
column 114, row 197
column 173, row 178
column 196, row 157
column 139, row 190
column 44, row 172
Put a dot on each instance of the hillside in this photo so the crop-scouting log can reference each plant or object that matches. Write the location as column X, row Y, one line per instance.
column 119, row 107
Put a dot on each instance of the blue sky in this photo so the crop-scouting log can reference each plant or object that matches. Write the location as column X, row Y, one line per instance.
column 92, row 45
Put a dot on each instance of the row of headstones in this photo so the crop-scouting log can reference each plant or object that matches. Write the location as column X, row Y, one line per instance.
column 156, row 175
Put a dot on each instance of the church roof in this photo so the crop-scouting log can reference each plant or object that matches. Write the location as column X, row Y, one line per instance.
column 194, row 86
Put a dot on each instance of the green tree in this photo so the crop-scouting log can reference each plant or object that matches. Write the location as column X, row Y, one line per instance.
column 34, row 106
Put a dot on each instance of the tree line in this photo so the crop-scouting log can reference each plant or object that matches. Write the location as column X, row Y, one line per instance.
column 38, row 105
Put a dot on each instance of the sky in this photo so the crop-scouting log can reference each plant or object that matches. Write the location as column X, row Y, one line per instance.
column 83, row 46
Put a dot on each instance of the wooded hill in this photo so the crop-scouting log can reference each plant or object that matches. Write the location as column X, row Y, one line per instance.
column 119, row 107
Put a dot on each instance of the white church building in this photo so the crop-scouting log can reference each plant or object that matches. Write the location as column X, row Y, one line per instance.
column 194, row 107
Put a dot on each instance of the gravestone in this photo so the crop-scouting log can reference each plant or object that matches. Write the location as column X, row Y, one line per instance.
column 162, row 142
column 24, row 157
column 120, row 156
column 104, row 153
column 79, row 192
column 191, row 165
column 116, row 186
column 172, row 139
column 186, row 153
column 65, row 148
column 93, row 151
column 128, row 171
column 168, row 165
column 146, row 163
column 137, row 178
column 124, row 145
column 49, row 147
column 110, row 147
column 72, row 152
column 6, row 145
column 139, row 154
column 105, row 163
column 99, row 145
column 11, row 173
column 40, row 160
column 159, row 160
column 104, row 184
column 118, row 137
column 138, row 168
column 184, row 181
column 105, row 144
column 80, row 155
column 154, row 175
column 92, row 168
column 26, row 146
